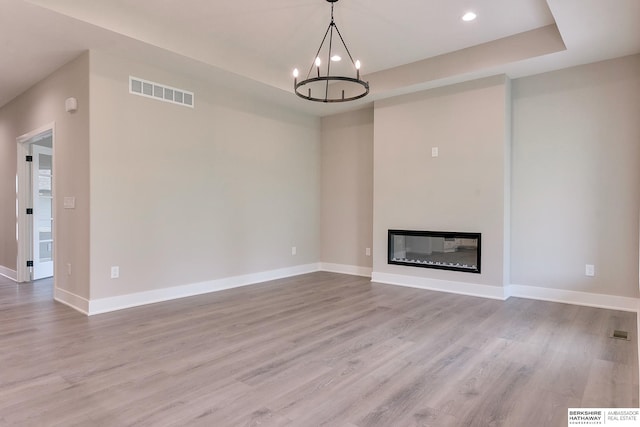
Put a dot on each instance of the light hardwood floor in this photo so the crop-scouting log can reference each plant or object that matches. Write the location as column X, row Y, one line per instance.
column 318, row 349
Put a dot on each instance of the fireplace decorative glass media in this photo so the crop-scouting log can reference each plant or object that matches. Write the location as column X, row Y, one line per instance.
column 435, row 249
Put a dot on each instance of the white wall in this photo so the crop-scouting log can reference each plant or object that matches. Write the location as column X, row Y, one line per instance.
column 8, row 242
column 181, row 196
column 461, row 190
column 347, row 189
column 37, row 107
column 576, row 178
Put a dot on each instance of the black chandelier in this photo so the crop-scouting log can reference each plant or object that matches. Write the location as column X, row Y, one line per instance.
column 343, row 88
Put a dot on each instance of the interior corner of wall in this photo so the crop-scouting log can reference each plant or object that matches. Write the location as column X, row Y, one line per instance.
column 507, row 290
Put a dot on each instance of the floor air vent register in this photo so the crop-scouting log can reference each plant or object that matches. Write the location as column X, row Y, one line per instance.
column 620, row 335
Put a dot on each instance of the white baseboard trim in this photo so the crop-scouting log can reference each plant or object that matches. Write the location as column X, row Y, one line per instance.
column 121, row 302
column 72, row 300
column 8, row 273
column 105, row 305
column 611, row 302
column 353, row 270
column 638, row 331
column 471, row 289
column 588, row 299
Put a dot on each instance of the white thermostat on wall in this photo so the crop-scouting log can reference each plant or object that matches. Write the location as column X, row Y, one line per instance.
column 71, row 105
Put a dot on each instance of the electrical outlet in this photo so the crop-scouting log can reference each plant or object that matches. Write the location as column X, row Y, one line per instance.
column 434, row 152
column 294, row 250
column 115, row 272
column 589, row 270
column 367, row 251
column 68, row 269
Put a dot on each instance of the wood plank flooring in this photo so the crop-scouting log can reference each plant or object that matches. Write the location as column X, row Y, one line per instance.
column 321, row 349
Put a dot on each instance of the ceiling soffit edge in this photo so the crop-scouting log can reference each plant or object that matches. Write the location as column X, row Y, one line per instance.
column 487, row 56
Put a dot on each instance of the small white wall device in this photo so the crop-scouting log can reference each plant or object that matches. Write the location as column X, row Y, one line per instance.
column 71, row 105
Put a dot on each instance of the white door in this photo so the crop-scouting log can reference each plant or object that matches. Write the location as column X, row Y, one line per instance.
column 42, row 182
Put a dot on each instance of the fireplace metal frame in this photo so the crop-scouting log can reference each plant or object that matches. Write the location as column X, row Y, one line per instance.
column 444, row 234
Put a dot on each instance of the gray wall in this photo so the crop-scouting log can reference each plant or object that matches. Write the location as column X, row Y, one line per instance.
column 8, row 242
column 575, row 174
column 181, row 195
column 576, row 178
column 40, row 106
column 463, row 189
column 347, row 188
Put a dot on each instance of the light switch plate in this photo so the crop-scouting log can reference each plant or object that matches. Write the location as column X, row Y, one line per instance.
column 69, row 202
column 589, row 270
column 434, row 151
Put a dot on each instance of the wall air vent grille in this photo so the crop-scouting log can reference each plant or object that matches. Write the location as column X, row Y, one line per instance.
column 160, row 92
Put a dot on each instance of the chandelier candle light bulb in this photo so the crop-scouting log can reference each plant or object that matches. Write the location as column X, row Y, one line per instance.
column 349, row 88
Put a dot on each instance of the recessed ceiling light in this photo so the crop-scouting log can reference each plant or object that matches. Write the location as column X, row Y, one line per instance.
column 469, row 16
column 336, row 58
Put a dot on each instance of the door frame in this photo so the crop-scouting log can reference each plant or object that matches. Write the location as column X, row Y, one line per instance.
column 23, row 184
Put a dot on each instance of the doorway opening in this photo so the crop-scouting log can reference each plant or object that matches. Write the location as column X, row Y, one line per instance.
column 36, row 205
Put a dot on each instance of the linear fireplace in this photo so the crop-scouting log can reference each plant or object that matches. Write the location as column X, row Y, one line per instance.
column 435, row 249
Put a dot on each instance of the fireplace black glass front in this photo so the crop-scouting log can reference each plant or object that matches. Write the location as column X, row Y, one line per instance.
column 443, row 250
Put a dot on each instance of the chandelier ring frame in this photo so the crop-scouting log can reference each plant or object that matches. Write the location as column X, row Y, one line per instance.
column 329, row 78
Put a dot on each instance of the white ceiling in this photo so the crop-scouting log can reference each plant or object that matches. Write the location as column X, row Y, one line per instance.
column 404, row 45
